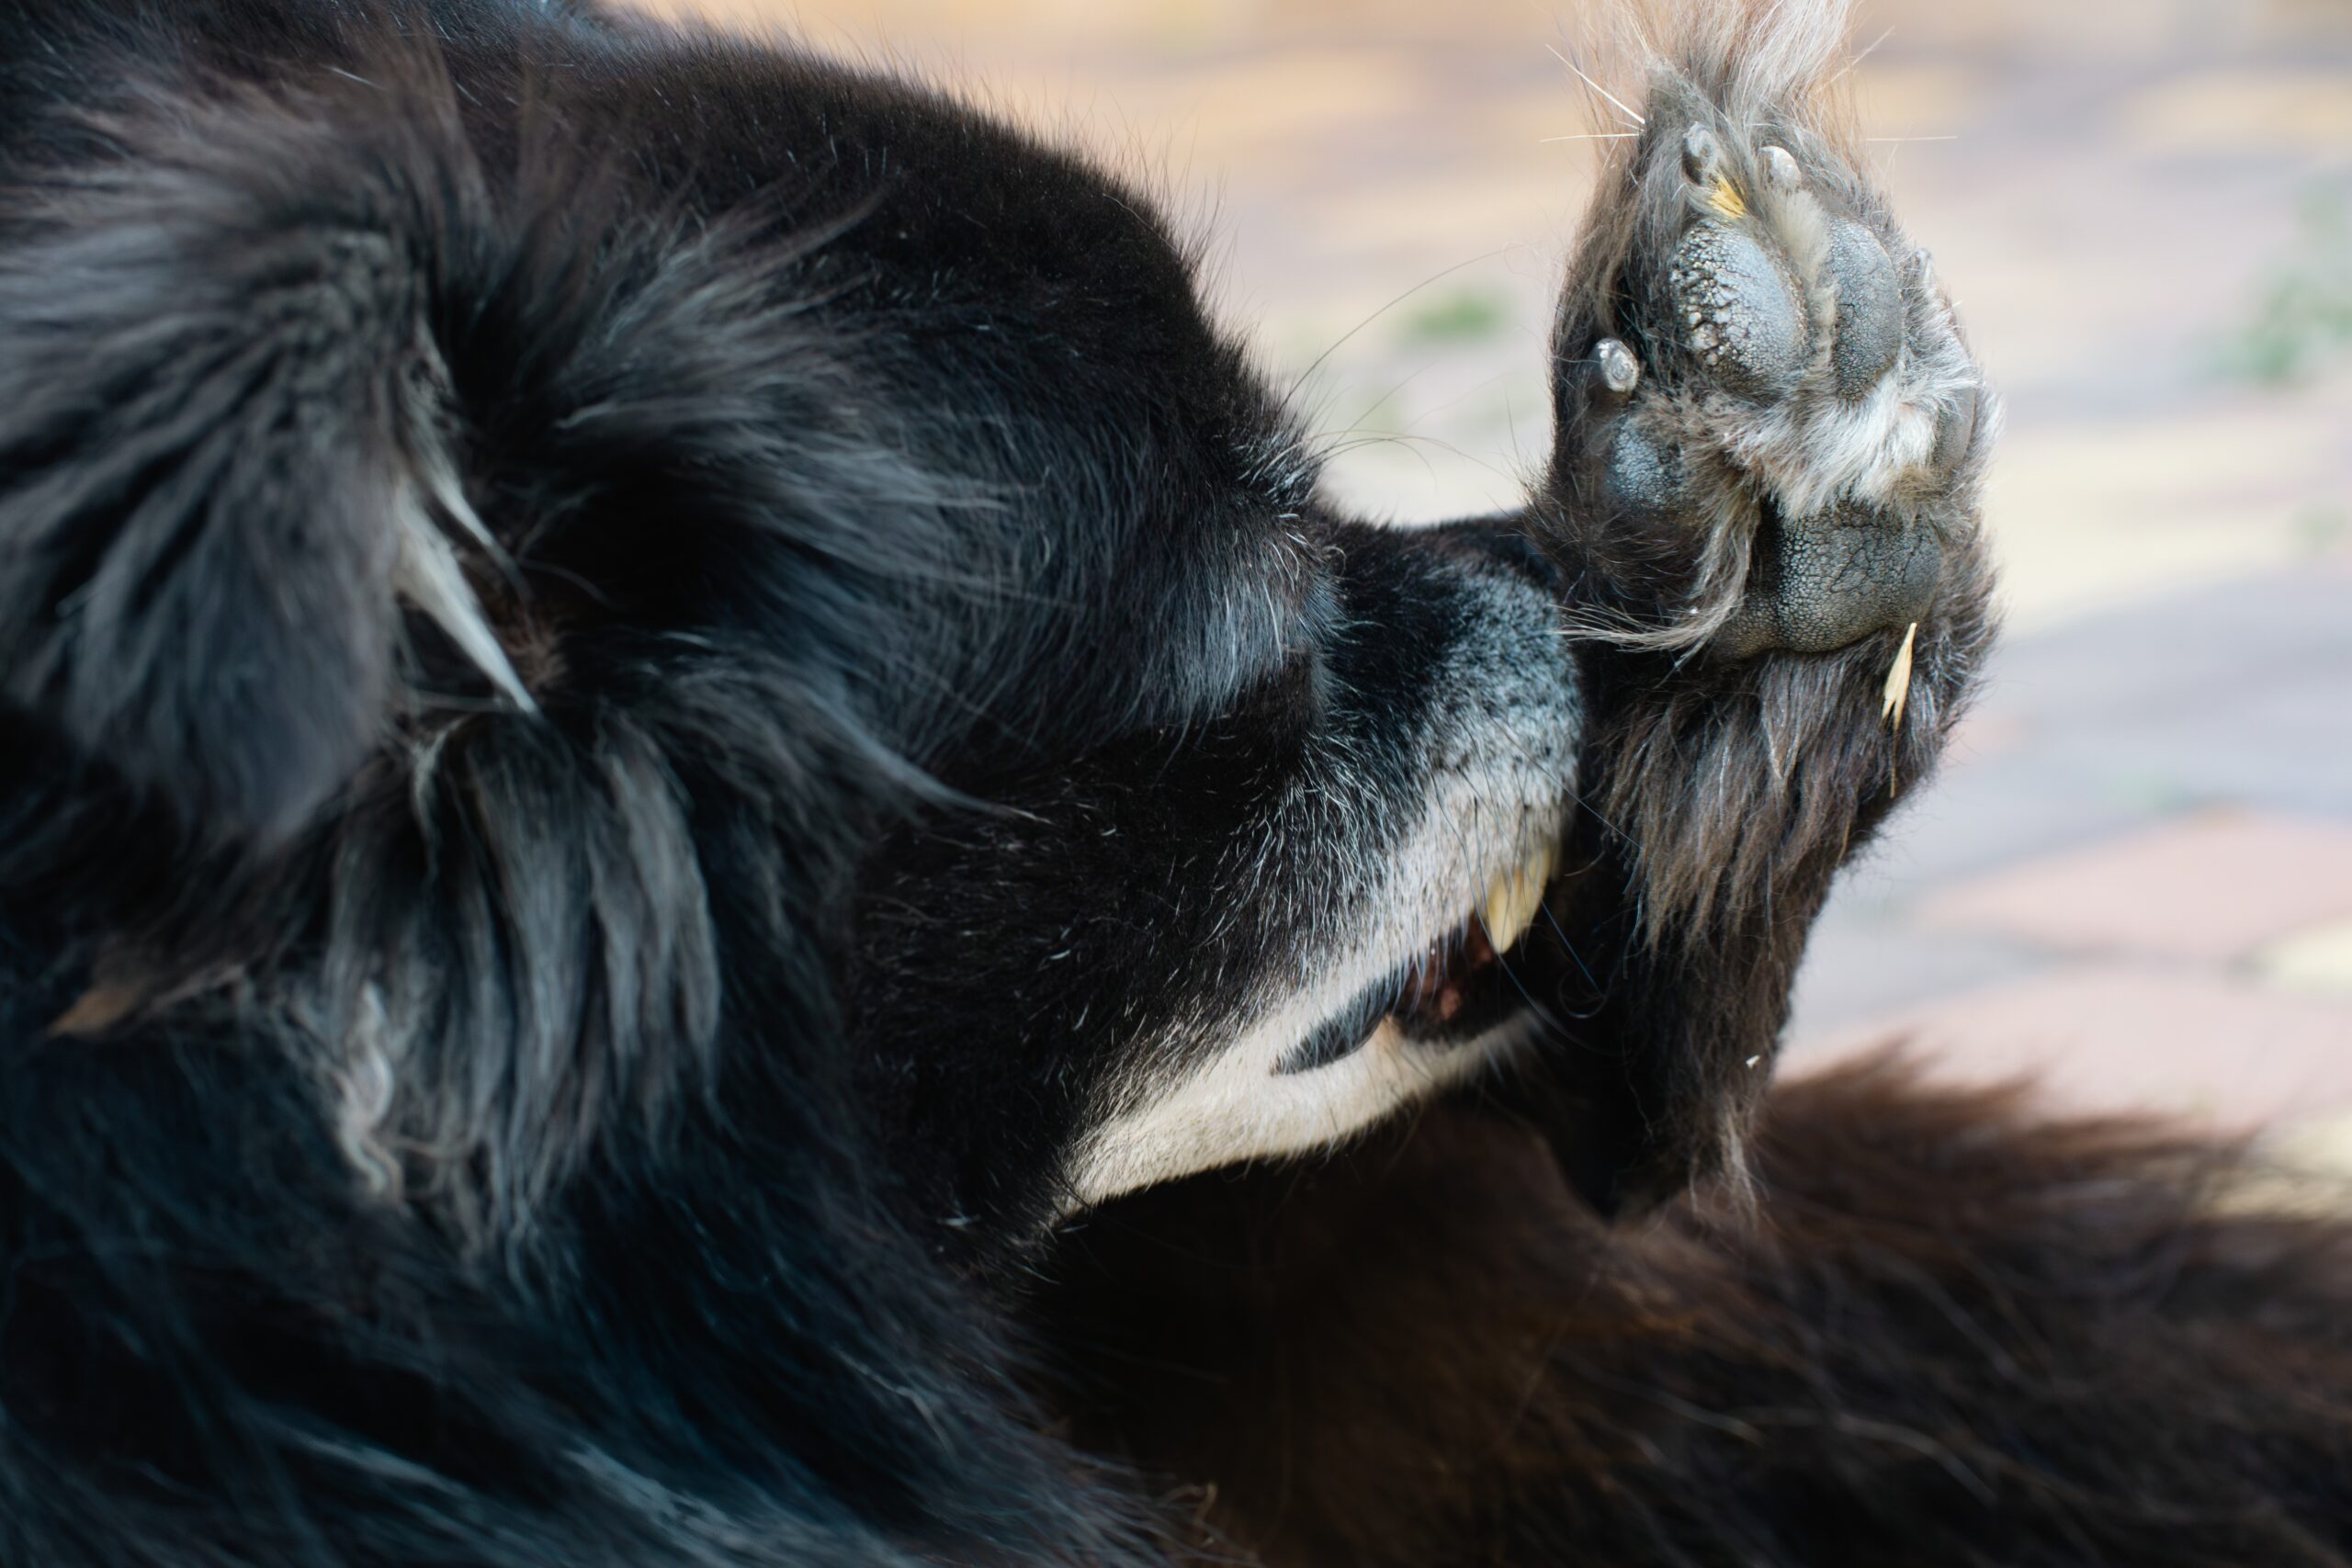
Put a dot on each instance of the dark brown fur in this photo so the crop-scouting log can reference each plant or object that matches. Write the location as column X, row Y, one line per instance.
column 1949, row 1333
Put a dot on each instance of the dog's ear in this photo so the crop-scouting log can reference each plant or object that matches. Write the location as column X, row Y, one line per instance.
column 222, row 473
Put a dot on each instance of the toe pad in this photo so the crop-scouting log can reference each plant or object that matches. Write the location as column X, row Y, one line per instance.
column 1870, row 309
column 1738, row 312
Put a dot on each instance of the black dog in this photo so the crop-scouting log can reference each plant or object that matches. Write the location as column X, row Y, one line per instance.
column 675, row 731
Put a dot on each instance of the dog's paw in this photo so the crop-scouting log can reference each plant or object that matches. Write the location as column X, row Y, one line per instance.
column 1763, row 500
column 1770, row 431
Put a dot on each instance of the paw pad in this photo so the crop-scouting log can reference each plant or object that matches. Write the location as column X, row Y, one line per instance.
column 1870, row 309
column 1738, row 303
column 1800, row 391
column 1817, row 587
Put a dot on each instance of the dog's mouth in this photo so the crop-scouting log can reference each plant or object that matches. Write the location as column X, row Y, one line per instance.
column 1457, row 988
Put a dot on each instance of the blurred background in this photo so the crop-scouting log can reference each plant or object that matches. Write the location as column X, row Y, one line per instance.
column 2134, row 875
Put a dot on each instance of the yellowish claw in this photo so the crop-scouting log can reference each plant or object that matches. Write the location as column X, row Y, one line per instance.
column 1898, row 681
column 1898, row 692
column 1724, row 196
column 97, row 1011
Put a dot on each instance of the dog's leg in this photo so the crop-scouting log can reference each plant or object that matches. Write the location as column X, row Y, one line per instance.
column 1764, row 492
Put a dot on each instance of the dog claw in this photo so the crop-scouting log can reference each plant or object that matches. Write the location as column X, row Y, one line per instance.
column 1956, row 430
column 1780, row 170
column 1703, row 157
column 1620, row 371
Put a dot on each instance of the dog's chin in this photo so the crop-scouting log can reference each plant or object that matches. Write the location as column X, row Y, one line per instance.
column 1308, row 1076
column 1502, row 995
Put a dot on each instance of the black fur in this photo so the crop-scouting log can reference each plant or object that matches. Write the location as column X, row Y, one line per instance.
column 648, row 687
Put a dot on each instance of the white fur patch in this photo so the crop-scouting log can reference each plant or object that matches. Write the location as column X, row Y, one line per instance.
column 1239, row 1108
column 364, row 1099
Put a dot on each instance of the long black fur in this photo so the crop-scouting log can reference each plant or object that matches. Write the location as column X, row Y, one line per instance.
column 639, row 673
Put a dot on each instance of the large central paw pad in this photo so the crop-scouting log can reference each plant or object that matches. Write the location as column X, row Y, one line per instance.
column 1754, row 374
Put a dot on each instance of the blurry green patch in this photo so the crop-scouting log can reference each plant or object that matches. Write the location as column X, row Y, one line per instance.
column 2158, row 795
column 2322, row 530
column 1467, row 315
column 2303, row 313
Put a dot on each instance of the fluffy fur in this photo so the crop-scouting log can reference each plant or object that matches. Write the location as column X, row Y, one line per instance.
column 1946, row 1332
column 663, row 708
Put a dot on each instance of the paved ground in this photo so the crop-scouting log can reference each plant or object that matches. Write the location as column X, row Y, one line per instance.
column 2136, row 876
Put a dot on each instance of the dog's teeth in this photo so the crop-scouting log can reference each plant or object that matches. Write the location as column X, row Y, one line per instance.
column 1516, row 898
column 1505, row 904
